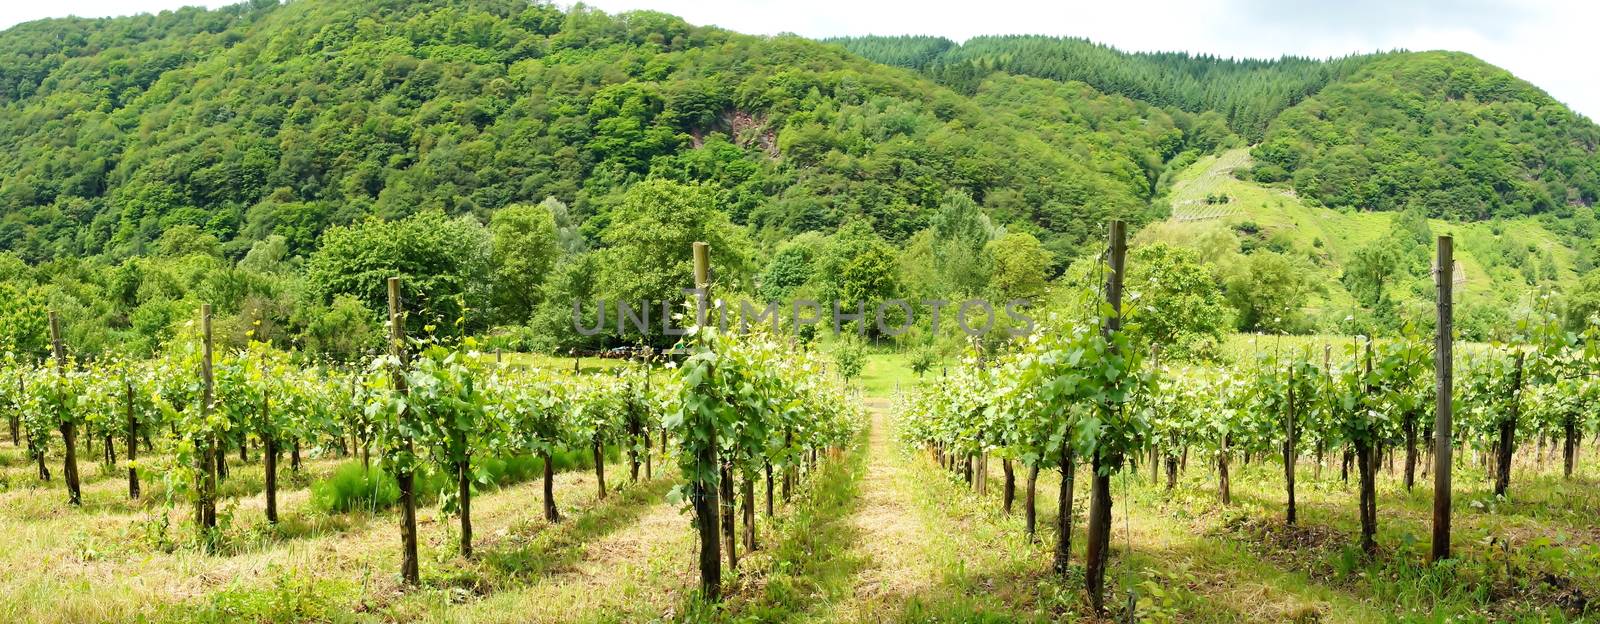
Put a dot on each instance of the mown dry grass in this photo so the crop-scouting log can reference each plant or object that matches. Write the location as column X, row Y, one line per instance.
column 891, row 536
column 1531, row 557
column 114, row 560
column 876, row 534
column 628, row 558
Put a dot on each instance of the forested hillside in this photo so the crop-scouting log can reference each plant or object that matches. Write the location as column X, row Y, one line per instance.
column 508, row 158
column 1352, row 164
column 1458, row 137
column 1248, row 93
column 1358, row 272
column 258, row 120
column 1441, row 131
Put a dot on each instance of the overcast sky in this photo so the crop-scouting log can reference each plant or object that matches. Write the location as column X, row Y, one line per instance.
column 1550, row 43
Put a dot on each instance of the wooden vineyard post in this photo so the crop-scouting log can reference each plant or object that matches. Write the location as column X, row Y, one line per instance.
column 1327, row 374
column 69, row 430
column 789, row 475
column 725, row 494
column 648, row 357
column 133, row 441
column 208, row 477
column 1008, row 488
column 631, row 409
column 1444, row 375
column 464, row 495
column 1030, row 511
column 403, row 476
column 1506, row 449
column 704, row 493
column 767, row 467
column 1097, row 547
column 14, row 420
column 1289, row 453
column 1367, row 466
column 1156, row 452
column 1224, row 485
column 1068, row 462
column 747, row 508
column 269, row 459
column 599, row 449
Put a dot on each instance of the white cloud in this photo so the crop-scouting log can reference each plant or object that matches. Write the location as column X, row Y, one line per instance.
column 16, row 12
column 1546, row 42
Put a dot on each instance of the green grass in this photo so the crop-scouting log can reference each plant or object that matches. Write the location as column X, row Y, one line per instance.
column 117, row 560
column 806, row 564
column 1243, row 348
column 1533, row 557
column 885, row 373
column 556, row 362
column 292, row 598
column 1508, row 555
column 880, row 534
column 353, row 486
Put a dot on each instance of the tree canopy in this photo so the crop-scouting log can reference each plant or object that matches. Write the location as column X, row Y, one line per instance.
column 506, row 158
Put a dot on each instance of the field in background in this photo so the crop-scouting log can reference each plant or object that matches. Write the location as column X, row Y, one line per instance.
column 1330, row 236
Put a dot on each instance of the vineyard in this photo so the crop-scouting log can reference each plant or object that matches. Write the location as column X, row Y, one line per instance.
column 790, row 506
column 1203, row 211
column 431, row 420
column 476, row 311
column 1081, row 394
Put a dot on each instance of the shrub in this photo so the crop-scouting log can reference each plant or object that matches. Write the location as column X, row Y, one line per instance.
column 354, row 487
column 923, row 359
column 1269, row 173
column 851, row 358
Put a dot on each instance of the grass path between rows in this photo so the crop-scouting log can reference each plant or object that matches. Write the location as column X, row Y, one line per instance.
column 937, row 551
column 889, row 534
column 927, row 556
column 98, row 564
column 626, row 560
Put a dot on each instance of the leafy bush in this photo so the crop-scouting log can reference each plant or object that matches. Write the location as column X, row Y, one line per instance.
column 292, row 597
column 851, row 358
column 354, row 487
column 513, row 338
column 1268, row 173
column 923, row 359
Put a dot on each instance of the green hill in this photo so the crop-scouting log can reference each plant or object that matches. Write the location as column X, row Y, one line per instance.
column 263, row 119
column 1443, row 131
column 267, row 119
column 151, row 162
column 1440, row 134
column 1248, row 93
column 1503, row 264
column 1459, row 137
